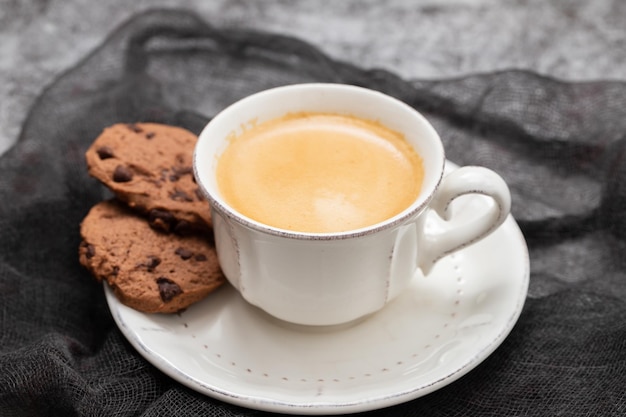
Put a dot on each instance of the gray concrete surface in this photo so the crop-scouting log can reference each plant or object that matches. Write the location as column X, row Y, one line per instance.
column 568, row 39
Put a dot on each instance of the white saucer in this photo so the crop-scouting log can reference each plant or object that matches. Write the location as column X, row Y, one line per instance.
column 442, row 327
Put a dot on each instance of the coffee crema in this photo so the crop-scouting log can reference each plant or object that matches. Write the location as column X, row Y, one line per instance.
column 319, row 173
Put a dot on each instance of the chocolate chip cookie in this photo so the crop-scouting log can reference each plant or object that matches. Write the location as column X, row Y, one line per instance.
column 147, row 269
column 149, row 167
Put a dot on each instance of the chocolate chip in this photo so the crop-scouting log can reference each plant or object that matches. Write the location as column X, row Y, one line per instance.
column 184, row 253
column 150, row 135
column 135, row 128
column 178, row 172
column 152, row 262
column 159, row 224
column 122, row 174
column 182, row 170
column 90, row 250
column 168, row 289
column 180, row 195
column 183, row 228
column 115, row 271
column 200, row 257
column 104, row 152
column 161, row 219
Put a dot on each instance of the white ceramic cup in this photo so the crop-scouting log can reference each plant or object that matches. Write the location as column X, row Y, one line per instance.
column 334, row 278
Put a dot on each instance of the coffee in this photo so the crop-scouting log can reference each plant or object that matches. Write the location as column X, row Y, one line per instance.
column 319, row 173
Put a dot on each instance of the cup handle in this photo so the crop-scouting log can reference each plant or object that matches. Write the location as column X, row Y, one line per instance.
column 447, row 232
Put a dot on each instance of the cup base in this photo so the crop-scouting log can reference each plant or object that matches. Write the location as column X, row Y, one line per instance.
column 311, row 328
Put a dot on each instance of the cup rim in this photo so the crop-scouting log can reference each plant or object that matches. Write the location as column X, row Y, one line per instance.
column 221, row 206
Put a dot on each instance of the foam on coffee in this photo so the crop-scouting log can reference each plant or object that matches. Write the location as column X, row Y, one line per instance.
column 319, row 173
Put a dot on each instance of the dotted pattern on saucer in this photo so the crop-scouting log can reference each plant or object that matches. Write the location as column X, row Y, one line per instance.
column 398, row 365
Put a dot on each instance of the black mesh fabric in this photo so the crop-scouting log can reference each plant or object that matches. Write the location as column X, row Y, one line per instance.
column 560, row 146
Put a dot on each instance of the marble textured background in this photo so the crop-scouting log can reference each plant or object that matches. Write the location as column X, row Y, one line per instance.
column 568, row 39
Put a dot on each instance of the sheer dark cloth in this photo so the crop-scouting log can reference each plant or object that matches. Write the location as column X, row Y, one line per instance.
column 560, row 146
